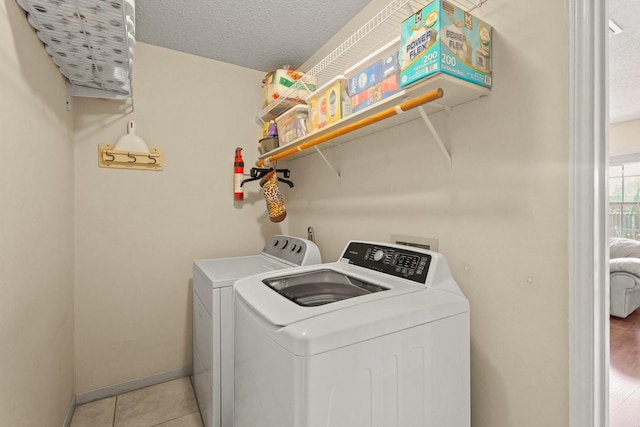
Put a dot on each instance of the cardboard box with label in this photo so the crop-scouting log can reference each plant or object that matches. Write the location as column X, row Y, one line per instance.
column 387, row 86
column 329, row 103
column 442, row 38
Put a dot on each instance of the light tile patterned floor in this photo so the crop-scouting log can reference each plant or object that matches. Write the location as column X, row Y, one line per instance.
column 170, row 404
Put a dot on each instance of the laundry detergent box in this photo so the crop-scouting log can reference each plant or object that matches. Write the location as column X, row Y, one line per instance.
column 390, row 65
column 375, row 93
column 338, row 101
column 384, row 88
column 317, row 110
column 329, row 103
column 365, row 77
column 442, row 38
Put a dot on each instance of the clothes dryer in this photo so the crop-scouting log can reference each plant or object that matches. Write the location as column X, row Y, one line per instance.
column 213, row 318
column 378, row 338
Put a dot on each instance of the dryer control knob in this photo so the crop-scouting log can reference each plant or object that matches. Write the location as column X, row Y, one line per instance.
column 378, row 255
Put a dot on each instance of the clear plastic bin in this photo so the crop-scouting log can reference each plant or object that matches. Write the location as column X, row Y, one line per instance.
column 293, row 124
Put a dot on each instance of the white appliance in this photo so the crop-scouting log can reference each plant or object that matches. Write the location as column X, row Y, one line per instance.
column 213, row 318
column 378, row 338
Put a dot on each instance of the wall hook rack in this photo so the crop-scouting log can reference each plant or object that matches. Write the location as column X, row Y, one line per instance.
column 108, row 157
column 259, row 173
column 130, row 152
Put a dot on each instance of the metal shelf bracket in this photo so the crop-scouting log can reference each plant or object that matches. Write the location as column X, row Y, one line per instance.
column 434, row 133
column 335, row 172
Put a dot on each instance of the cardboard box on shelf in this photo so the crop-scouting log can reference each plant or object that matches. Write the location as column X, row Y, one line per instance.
column 317, row 110
column 442, row 38
column 365, row 78
column 390, row 65
column 338, row 102
column 329, row 103
column 375, row 93
column 385, row 60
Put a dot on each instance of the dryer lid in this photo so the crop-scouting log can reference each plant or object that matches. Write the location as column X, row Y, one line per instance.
column 224, row 271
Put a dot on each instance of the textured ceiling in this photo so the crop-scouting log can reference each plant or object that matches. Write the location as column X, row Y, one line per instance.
column 259, row 34
column 264, row 35
column 624, row 61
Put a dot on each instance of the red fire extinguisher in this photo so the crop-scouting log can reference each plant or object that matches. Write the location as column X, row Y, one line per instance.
column 238, row 175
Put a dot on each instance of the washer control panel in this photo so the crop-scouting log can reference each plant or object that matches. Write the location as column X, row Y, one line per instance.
column 407, row 263
column 293, row 249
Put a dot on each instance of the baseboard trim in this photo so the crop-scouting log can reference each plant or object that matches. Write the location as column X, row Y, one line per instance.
column 124, row 387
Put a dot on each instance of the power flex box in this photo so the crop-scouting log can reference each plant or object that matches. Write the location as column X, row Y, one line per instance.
column 442, row 38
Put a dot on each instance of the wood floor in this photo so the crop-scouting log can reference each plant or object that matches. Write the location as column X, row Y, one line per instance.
column 624, row 373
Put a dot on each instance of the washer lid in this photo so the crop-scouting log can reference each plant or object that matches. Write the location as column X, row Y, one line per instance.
column 320, row 287
column 324, row 288
column 312, row 329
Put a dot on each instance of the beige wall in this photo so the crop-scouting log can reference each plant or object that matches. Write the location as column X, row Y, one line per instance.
column 624, row 137
column 500, row 213
column 137, row 232
column 36, row 230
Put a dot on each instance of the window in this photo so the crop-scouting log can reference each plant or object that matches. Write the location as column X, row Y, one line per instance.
column 624, row 200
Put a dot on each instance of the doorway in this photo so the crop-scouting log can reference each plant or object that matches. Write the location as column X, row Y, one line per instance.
column 624, row 207
column 588, row 249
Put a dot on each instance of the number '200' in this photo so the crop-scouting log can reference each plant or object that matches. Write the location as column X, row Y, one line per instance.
column 449, row 60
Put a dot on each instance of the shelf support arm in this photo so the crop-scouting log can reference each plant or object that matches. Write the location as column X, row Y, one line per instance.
column 434, row 133
column 389, row 112
column 335, row 172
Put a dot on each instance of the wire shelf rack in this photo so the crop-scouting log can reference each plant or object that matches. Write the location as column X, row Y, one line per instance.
column 91, row 42
column 379, row 31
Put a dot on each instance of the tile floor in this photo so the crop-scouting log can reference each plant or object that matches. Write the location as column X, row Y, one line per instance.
column 170, row 404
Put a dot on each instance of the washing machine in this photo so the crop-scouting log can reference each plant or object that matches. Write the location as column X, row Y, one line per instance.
column 378, row 338
column 213, row 318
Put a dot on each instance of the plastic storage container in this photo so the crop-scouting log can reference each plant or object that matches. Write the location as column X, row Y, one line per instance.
column 293, row 124
column 267, row 144
column 291, row 85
